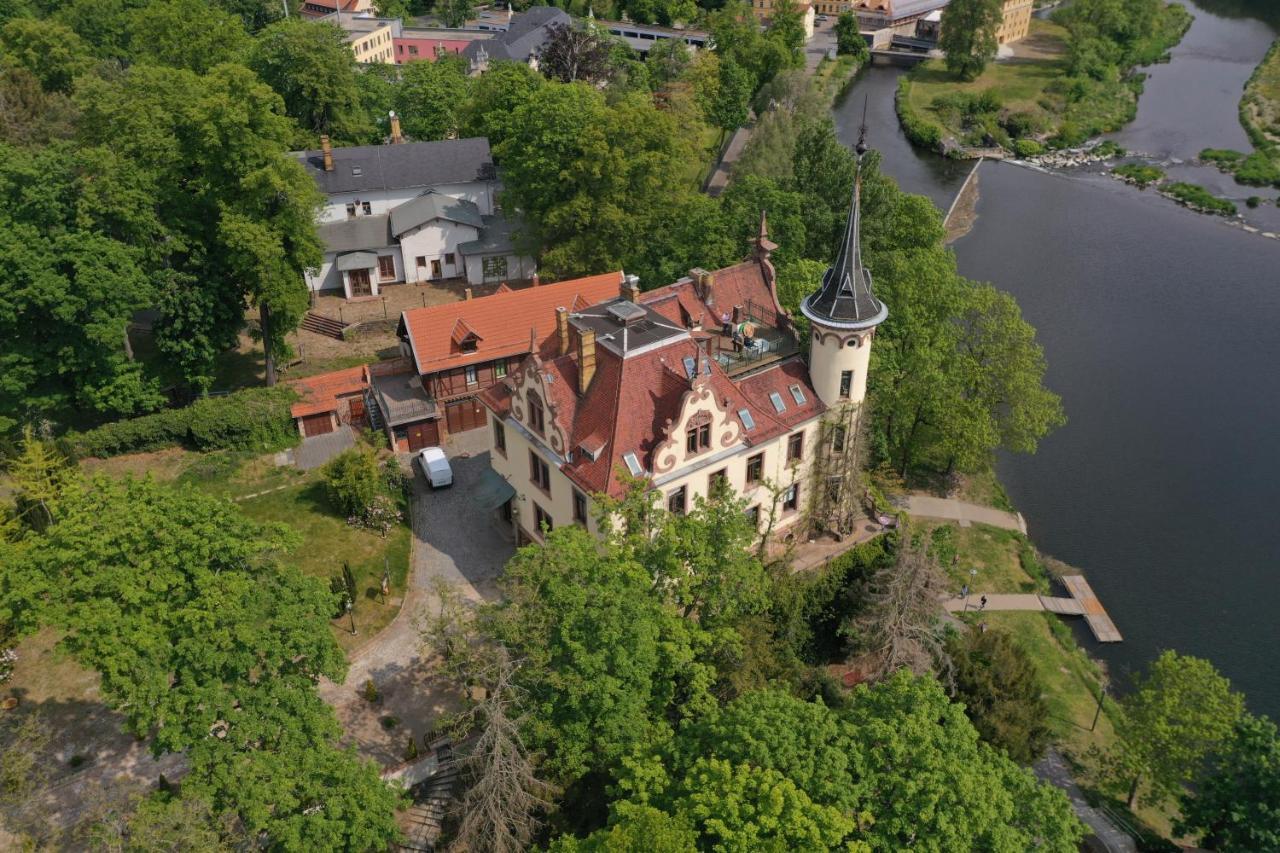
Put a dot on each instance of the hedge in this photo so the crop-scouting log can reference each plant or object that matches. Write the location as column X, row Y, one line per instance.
column 920, row 131
column 253, row 419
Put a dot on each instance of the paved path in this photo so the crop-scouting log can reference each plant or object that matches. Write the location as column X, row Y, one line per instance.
column 453, row 540
column 946, row 509
column 1054, row 770
column 319, row 449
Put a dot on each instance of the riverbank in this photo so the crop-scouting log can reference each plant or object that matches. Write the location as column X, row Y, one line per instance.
column 1030, row 100
column 1260, row 106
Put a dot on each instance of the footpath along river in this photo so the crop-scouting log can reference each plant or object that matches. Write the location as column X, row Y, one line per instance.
column 1162, row 332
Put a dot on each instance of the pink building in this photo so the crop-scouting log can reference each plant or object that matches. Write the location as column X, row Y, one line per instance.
column 411, row 49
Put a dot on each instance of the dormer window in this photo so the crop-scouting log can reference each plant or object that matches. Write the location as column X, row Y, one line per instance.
column 537, row 415
column 468, row 345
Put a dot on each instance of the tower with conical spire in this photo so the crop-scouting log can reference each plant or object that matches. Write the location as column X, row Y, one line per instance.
column 844, row 312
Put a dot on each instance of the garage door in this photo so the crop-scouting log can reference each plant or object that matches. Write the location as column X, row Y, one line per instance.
column 464, row 415
column 422, row 434
column 317, row 424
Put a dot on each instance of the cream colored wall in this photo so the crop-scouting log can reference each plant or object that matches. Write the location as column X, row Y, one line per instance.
column 830, row 355
column 692, row 473
column 376, row 46
column 1015, row 22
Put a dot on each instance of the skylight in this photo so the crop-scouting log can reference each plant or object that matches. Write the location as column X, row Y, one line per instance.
column 690, row 369
column 748, row 422
column 797, row 395
column 776, row 399
column 633, row 464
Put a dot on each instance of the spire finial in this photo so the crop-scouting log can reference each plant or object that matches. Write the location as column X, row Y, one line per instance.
column 861, row 147
column 764, row 246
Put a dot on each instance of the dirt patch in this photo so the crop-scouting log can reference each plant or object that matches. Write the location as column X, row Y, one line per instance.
column 163, row 465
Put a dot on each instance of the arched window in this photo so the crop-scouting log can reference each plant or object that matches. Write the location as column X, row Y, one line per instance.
column 537, row 415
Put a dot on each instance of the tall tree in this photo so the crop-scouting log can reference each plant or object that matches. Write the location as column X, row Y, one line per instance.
column 732, row 101
column 494, row 98
column 995, row 680
column 310, row 65
column 969, row 35
column 207, row 645
column 49, row 50
column 1178, row 713
column 849, row 40
column 185, row 34
column 430, row 96
column 238, row 215
column 574, row 53
column 1236, row 804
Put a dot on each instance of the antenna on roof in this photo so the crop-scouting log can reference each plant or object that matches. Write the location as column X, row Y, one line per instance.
column 861, row 147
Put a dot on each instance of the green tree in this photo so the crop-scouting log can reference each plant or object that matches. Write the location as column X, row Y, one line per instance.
column 454, row 13
column 1177, row 714
column 667, row 60
column 634, row 827
column 352, row 480
column 494, row 99
column 786, row 33
column 49, row 50
column 822, row 170
column 969, row 35
column 429, row 97
column 593, row 701
column 1236, row 804
column 209, row 646
column 311, row 66
column 185, row 34
column 732, row 99
column 238, row 217
column 996, row 682
column 28, row 114
column 101, row 23
column 72, row 274
column 255, row 14
column 573, row 54
column 849, row 40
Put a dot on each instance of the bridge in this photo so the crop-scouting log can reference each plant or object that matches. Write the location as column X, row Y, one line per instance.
column 898, row 58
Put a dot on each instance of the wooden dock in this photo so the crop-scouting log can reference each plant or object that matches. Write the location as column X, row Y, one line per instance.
column 1104, row 630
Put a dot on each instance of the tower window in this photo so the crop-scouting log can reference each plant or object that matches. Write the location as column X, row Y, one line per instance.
column 846, row 384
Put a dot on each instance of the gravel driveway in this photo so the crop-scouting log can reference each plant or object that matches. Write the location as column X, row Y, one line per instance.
column 453, row 540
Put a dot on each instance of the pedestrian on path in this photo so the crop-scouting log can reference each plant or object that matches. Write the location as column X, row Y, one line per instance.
column 982, row 603
column 964, row 591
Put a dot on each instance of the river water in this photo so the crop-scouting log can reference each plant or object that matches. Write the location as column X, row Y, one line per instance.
column 1161, row 331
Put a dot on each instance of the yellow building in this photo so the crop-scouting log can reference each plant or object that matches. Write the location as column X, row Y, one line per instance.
column 375, row 46
column 763, row 10
column 1015, row 22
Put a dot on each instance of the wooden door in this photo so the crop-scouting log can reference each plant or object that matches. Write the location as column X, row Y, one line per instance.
column 386, row 268
column 435, row 269
column 358, row 413
column 317, row 424
column 360, row 284
column 464, row 415
column 422, row 434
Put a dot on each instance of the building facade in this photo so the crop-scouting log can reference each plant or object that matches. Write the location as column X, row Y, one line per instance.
column 1015, row 21
column 700, row 382
column 410, row 212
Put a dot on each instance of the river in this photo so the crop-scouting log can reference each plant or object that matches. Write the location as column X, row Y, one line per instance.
column 1160, row 330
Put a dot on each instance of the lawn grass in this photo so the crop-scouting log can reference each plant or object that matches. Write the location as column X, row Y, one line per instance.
column 996, row 554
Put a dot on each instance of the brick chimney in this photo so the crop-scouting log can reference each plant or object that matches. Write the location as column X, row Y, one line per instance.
column 631, row 288
column 562, row 329
column 586, row 359
column 396, row 137
column 703, row 285
column 328, row 153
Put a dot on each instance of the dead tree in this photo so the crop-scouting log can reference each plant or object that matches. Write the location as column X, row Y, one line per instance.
column 899, row 627
column 499, row 812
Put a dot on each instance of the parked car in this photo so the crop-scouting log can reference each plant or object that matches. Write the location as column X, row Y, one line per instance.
column 436, row 466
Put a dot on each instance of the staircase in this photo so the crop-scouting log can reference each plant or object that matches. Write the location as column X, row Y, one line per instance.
column 431, row 799
column 323, row 325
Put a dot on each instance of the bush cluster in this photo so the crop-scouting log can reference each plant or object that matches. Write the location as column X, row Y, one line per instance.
column 253, row 419
column 921, row 131
column 1141, row 175
column 352, row 480
column 1197, row 196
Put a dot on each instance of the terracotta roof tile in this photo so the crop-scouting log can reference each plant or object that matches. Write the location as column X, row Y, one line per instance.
column 502, row 321
column 320, row 393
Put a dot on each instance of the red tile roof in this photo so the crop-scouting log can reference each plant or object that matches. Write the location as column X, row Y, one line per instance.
column 505, row 321
column 748, row 283
column 319, row 394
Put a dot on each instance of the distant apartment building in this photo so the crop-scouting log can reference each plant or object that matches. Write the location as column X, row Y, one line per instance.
column 1015, row 21
column 763, row 10
column 900, row 16
column 373, row 47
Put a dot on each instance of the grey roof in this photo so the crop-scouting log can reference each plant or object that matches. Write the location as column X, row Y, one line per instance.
column 357, row 261
column 433, row 205
column 363, row 232
column 525, row 36
column 845, row 299
column 907, row 8
column 402, row 399
column 626, row 329
column 361, row 168
column 495, row 238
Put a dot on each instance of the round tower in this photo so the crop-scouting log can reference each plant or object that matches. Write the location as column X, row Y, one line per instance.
column 844, row 314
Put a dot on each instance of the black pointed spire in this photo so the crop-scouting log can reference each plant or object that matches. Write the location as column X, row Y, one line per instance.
column 845, row 299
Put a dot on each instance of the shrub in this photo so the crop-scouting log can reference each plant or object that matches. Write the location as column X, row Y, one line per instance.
column 352, row 480
column 1027, row 147
column 1142, row 176
column 995, row 680
column 394, row 477
column 1258, row 170
column 1020, row 124
column 920, row 131
column 1198, row 197
column 1108, row 149
column 1253, row 201
column 411, row 749
column 369, row 691
column 1224, row 157
column 253, row 419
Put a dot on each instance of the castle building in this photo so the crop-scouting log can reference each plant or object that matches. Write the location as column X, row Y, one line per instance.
column 701, row 381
